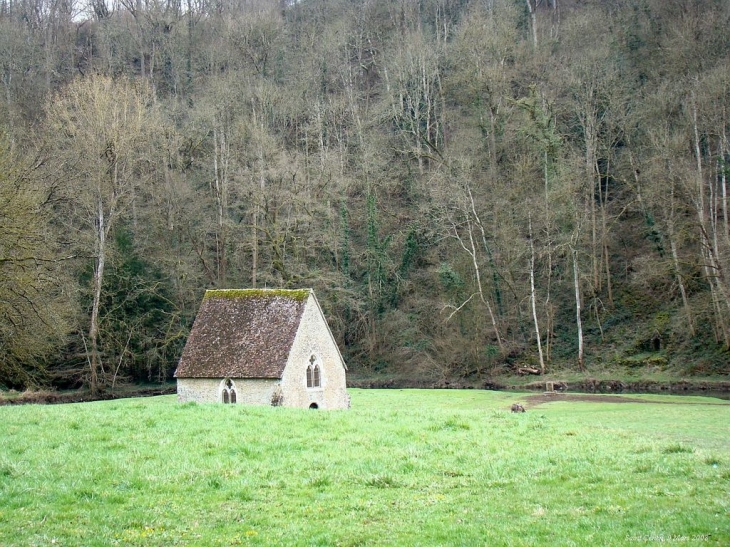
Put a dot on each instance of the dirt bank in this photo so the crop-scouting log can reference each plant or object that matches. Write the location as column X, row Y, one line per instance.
column 678, row 387
column 82, row 396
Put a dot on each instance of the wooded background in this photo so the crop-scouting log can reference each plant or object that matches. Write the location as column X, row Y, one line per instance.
column 469, row 186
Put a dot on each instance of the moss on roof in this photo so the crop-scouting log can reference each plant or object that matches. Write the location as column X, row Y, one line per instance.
column 298, row 295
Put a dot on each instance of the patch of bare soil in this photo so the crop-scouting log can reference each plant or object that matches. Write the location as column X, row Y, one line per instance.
column 532, row 401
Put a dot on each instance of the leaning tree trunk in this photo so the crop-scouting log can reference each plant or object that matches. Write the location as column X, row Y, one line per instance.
column 532, row 299
column 579, row 322
column 473, row 253
column 94, row 361
column 675, row 261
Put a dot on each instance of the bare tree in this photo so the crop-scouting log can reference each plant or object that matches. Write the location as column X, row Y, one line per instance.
column 103, row 128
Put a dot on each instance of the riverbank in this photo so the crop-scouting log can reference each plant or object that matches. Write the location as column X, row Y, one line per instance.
column 50, row 397
column 708, row 387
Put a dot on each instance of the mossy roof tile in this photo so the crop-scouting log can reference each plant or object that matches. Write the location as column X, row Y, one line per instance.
column 243, row 333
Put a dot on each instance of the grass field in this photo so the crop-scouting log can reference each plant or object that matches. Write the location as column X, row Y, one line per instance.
column 407, row 467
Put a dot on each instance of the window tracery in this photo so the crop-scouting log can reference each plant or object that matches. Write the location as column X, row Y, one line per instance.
column 314, row 373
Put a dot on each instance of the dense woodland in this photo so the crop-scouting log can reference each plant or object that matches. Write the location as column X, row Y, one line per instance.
column 470, row 186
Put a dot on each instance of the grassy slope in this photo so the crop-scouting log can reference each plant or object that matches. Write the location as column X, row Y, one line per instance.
column 400, row 468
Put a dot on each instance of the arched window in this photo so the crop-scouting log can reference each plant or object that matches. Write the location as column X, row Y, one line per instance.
column 314, row 373
column 228, row 391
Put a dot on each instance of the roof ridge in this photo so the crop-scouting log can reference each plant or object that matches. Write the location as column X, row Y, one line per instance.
column 293, row 294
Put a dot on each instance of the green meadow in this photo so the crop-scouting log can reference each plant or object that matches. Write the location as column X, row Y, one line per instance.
column 402, row 467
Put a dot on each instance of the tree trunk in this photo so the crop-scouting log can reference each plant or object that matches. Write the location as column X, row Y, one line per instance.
column 262, row 189
column 473, row 253
column 532, row 298
column 492, row 140
column 548, row 236
column 590, row 130
column 680, row 282
column 98, row 280
column 7, row 79
column 490, row 256
column 712, row 266
column 220, row 169
column 579, row 322
column 724, row 199
column 604, row 238
column 533, row 21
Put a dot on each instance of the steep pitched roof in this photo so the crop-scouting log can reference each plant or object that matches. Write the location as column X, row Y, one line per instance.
column 243, row 333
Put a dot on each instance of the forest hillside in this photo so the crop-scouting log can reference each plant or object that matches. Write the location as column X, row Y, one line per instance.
column 470, row 186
